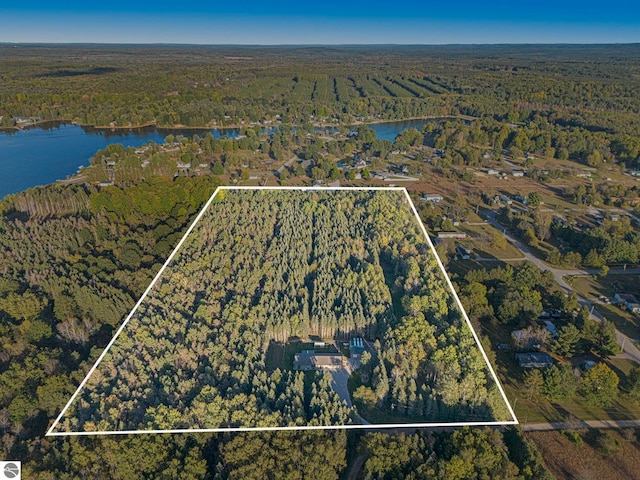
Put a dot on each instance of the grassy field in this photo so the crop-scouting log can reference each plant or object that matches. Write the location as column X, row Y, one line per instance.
column 539, row 409
column 627, row 323
column 592, row 287
column 461, row 267
column 622, row 366
column 480, row 239
column 610, row 454
column 281, row 355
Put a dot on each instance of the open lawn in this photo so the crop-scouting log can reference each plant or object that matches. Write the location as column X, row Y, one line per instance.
column 541, row 410
column 627, row 323
column 538, row 409
column 622, row 366
column 480, row 239
column 281, row 355
column 590, row 286
column 593, row 287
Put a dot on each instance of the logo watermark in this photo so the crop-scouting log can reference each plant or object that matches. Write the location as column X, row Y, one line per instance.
column 10, row 470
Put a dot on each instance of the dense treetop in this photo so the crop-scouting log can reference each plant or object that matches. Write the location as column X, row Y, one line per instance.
column 265, row 266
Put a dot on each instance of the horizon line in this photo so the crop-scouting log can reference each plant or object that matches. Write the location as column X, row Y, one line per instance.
column 175, row 44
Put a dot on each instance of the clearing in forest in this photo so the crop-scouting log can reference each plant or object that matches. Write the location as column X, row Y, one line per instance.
column 293, row 308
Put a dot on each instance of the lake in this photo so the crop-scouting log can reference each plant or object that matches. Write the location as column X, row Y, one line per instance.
column 53, row 151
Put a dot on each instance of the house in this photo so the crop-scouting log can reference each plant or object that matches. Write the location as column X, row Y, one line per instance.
column 550, row 326
column 530, row 338
column 506, row 199
column 629, row 301
column 463, row 252
column 525, row 338
column 17, row 120
column 432, row 197
column 534, row 360
column 521, row 336
column 356, row 347
column 492, row 171
column 457, row 235
column 309, row 360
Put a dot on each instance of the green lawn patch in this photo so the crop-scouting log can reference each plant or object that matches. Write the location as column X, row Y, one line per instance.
column 538, row 409
column 281, row 355
column 480, row 239
column 627, row 323
column 591, row 286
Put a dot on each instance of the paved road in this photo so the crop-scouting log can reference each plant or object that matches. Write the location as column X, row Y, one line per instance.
column 356, row 467
column 630, row 350
column 339, row 383
column 287, row 164
column 401, row 178
column 537, row 427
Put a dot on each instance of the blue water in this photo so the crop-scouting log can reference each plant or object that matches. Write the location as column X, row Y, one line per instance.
column 38, row 156
column 389, row 130
column 42, row 155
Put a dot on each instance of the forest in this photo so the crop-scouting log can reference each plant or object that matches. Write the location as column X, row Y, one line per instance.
column 74, row 259
column 576, row 102
column 50, row 339
column 270, row 265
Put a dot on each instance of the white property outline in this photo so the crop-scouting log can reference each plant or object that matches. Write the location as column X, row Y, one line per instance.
column 51, row 433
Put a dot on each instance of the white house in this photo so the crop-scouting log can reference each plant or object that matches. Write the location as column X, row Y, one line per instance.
column 629, row 301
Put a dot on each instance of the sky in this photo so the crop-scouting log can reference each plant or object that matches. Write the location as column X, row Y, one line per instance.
column 321, row 21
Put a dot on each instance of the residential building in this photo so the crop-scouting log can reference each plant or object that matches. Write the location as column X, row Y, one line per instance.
column 457, row 235
column 629, row 301
column 310, row 360
column 356, row 347
column 534, row 360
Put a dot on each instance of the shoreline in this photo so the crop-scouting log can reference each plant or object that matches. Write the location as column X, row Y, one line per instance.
column 40, row 123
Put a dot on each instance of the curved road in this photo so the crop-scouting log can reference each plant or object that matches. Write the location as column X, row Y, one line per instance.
column 629, row 348
column 288, row 163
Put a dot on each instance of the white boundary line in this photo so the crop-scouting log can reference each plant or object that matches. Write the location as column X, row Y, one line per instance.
column 464, row 313
column 51, row 433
